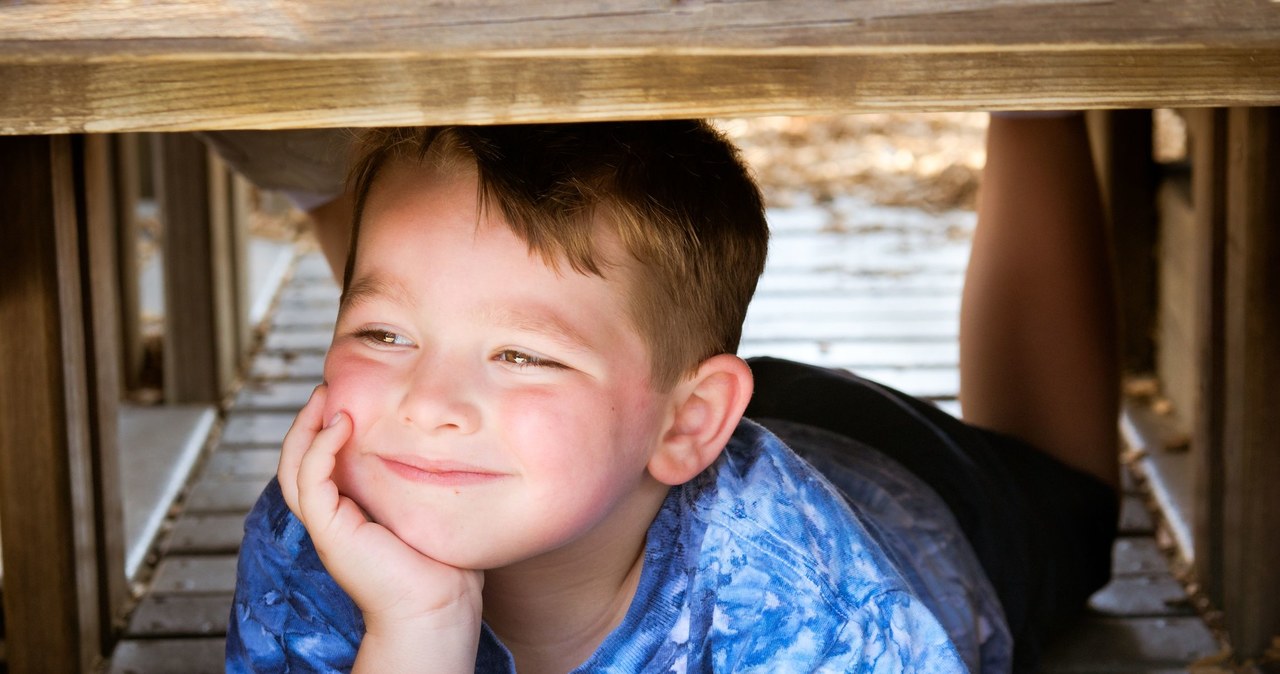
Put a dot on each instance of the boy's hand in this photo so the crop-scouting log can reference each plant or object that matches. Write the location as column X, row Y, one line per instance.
column 418, row 612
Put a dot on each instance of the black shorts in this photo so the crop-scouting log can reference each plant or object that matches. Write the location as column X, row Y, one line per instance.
column 1042, row 530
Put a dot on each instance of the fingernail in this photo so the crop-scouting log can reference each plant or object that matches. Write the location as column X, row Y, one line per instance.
column 334, row 420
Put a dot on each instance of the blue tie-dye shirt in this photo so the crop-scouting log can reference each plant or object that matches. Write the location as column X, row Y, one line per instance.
column 757, row 564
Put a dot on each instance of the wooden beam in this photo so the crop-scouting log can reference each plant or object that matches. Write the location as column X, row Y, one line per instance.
column 127, row 181
column 1122, row 150
column 103, row 315
column 52, row 599
column 239, row 211
column 1207, row 130
column 1251, row 420
column 200, row 338
column 209, row 64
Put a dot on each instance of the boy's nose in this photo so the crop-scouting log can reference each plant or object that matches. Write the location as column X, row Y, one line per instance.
column 435, row 400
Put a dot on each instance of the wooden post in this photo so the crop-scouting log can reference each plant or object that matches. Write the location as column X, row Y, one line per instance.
column 53, row 599
column 127, row 181
column 238, row 212
column 1122, row 151
column 102, row 297
column 200, row 339
column 1251, row 417
column 1208, row 136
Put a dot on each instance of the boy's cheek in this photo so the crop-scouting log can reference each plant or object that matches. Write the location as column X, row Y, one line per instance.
column 342, row 398
column 350, row 388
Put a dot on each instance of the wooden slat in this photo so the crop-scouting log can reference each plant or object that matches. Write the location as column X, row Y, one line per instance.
column 175, row 66
column 68, row 29
column 1177, row 282
column 199, row 360
column 1121, row 142
column 1208, row 135
column 238, row 194
column 103, row 365
column 1251, row 420
column 126, row 175
column 52, row 603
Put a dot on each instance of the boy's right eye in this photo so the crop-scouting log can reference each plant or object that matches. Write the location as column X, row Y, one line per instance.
column 382, row 337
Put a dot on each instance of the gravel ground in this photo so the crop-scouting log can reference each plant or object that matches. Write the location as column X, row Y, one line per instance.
column 930, row 161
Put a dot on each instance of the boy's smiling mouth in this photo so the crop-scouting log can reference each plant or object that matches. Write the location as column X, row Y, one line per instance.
column 439, row 472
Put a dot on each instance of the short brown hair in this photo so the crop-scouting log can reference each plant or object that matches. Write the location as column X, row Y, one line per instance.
column 676, row 194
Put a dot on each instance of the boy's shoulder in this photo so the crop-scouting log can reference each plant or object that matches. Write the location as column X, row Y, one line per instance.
column 770, row 569
column 761, row 495
column 883, row 518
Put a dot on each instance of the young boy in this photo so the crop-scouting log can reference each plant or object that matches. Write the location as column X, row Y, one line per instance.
column 530, row 453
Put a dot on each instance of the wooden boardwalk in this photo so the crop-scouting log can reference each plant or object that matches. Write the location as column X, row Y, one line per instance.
column 878, row 292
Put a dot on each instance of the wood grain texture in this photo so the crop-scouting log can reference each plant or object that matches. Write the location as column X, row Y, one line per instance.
column 1251, row 421
column 51, row 599
column 200, row 343
column 168, row 66
column 126, row 178
column 1208, row 135
column 103, row 369
column 1121, row 141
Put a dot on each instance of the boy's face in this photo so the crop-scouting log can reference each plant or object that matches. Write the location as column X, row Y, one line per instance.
column 501, row 410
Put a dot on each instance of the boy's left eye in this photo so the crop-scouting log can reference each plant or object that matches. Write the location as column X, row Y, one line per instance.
column 524, row 359
column 380, row 336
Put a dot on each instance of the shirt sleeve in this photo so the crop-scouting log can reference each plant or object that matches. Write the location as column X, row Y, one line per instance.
column 288, row 614
column 897, row 634
column 891, row 633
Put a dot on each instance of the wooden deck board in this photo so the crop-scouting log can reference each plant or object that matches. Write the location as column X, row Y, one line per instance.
column 78, row 66
column 202, row 534
column 1140, row 622
column 177, row 615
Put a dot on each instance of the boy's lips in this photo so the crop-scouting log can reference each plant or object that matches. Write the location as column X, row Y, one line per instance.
column 433, row 471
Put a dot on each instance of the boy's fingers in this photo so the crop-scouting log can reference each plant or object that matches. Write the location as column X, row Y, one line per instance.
column 300, row 436
column 317, row 493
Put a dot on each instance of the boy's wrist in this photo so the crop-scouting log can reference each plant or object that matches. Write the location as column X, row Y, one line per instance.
column 433, row 643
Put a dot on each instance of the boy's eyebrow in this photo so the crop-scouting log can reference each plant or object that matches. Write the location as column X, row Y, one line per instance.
column 366, row 288
column 546, row 323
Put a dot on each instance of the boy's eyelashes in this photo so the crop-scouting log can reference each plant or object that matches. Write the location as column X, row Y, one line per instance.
column 522, row 359
column 382, row 337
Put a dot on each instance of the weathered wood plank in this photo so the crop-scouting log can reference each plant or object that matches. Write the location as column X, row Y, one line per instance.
column 127, row 178
column 53, row 599
column 224, row 495
column 1107, row 644
column 257, row 462
column 1123, row 160
column 103, row 365
column 68, row 29
column 178, row 615
column 1146, row 595
column 205, row 534
column 1208, row 134
column 1251, row 417
column 173, row 66
column 167, row 656
column 199, row 330
column 286, row 365
column 256, row 429
column 195, row 575
column 1176, row 324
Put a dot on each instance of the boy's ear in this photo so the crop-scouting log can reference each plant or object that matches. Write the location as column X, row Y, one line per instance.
column 707, row 408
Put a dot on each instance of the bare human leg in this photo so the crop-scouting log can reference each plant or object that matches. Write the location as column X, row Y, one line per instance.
column 1038, row 338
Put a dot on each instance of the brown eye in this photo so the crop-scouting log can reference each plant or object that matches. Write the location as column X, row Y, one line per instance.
column 517, row 358
column 380, row 336
column 523, row 359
